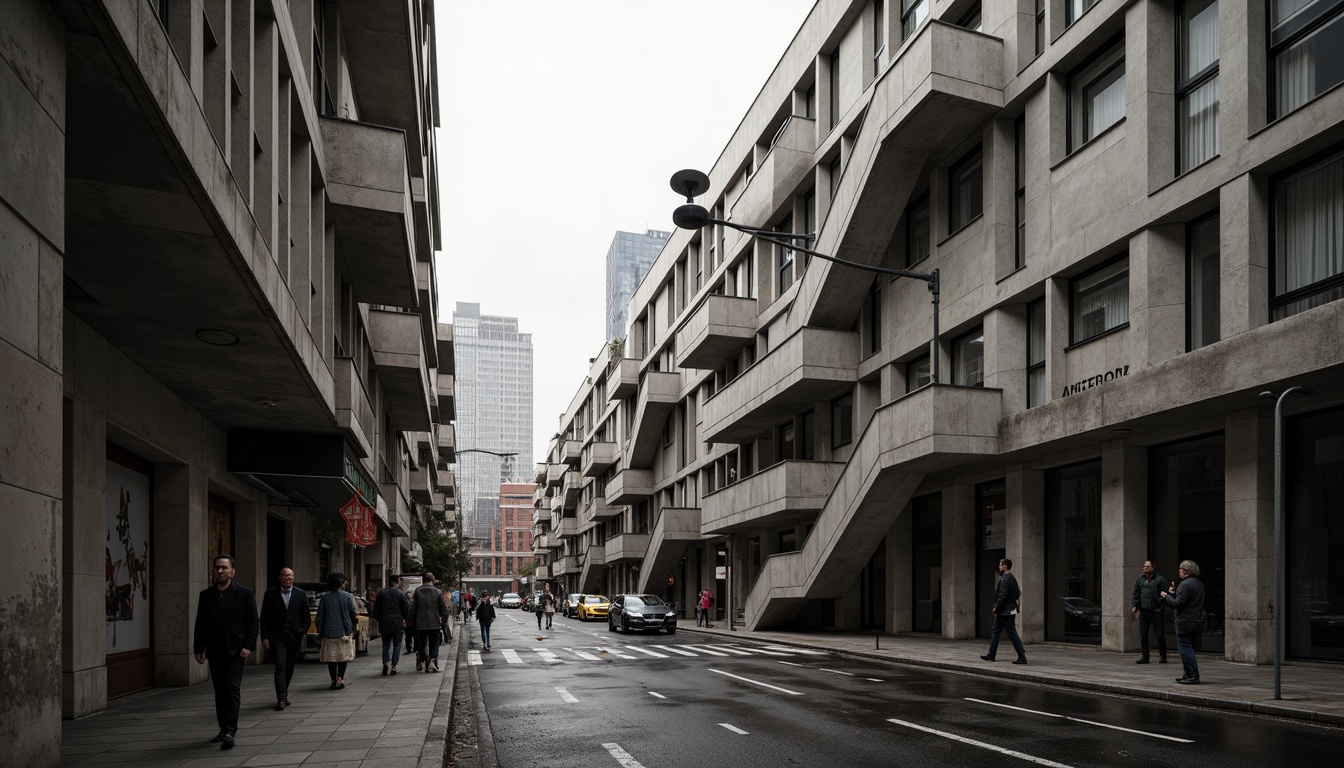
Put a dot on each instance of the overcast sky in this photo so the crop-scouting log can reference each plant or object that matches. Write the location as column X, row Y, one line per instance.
column 561, row 123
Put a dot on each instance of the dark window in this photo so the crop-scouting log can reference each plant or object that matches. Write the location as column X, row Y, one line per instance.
column 806, row 437
column 833, row 72
column 810, row 101
column 835, row 176
column 1073, row 554
column 1197, row 84
column 913, row 14
column 917, row 373
column 1315, row 562
column 1100, row 301
column 1306, row 51
column 785, row 256
column 917, row 231
column 1074, row 9
column 1036, row 353
column 842, row 421
column 927, row 562
column 1309, row 238
column 1097, row 95
column 972, row 19
column 786, row 435
column 968, row 359
column 321, row 90
column 873, row 313
column 965, row 198
column 1201, row 292
column 1020, row 182
column 879, row 27
column 1040, row 26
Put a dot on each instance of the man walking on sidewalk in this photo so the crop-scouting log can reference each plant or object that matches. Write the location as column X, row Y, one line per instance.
column 429, row 610
column 284, row 622
column 1147, row 604
column 1007, row 597
column 225, row 633
column 392, row 612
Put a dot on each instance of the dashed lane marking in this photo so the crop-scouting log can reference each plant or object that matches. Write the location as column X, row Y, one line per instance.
column 790, row 663
column 755, row 682
column 566, row 696
column 657, row 695
column 981, row 744
column 1085, row 722
column 836, row 672
column 622, row 756
column 733, row 728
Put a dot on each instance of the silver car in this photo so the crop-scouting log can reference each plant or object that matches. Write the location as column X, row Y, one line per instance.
column 511, row 600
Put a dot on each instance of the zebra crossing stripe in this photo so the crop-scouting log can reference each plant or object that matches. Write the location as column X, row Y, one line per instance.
column 675, row 650
column 473, row 658
column 512, row 656
column 582, row 655
column 566, row 696
column 615, row 652
column 547, row 656
column 731, row 649
column 756, row 649
column 707, row 650
column 808, row 651
column 654, row 654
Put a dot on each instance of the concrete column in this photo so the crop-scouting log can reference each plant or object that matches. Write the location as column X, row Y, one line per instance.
column 1124, row 539
column 1249, row 535
column 1024, row 542
column 83, row 582
column 959, row 527
column 180, row 493
column 1157, row 286
column 1006, row 353
column 1243, row 253
column 900, row 554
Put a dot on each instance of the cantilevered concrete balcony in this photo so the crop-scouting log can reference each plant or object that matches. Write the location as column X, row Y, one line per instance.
column 629, row 486
column 626, row 547
column 598, row 509
column 382, row 39
column 555, row 474
column 590, row 576
column 447, row 398
column 445, row 345
column 598, row 458
column 931, row 429
column 566, row 527
column 622, row 378
column 445, row 481
column 720, row 326
column 447, row 438
column 812, row 364
column 543, row 514
column 563, row 566
column 421, row 488
column 557, row 503
column 369, row 187
column 572, row 488
column 539, row 473
column 427, row 293
column 399, row 362
column 542, row 572
column 657, row 397
column 399, row 520
column 538, row 495
column 676, row 528
column 571, row 451
column 354, row 412
column 776, row 180
column 787, row 493
column 541, row 542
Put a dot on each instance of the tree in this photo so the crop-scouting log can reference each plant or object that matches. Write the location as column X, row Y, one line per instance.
column 446, row 553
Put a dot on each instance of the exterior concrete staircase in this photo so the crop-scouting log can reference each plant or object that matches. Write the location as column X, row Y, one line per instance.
column 676, row 527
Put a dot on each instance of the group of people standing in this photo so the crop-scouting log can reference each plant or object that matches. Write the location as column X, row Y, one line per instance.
column 1150, row 597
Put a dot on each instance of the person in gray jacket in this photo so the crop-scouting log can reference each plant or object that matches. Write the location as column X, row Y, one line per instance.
column 335, row 622
column 1188, row 600
column 429, row 612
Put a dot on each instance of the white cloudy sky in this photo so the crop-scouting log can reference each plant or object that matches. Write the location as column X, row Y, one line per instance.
column 561, row 123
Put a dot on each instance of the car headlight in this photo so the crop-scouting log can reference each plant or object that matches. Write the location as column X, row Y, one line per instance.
column 671, row 615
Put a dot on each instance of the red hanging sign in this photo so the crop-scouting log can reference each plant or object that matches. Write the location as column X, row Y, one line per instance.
column 369, row 533
column 353, row 514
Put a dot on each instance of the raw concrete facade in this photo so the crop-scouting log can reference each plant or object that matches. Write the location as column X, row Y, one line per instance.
column 770, row 422
column 217, row 232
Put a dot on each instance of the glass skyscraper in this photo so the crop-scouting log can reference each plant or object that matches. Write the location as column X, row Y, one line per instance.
column 628, row 260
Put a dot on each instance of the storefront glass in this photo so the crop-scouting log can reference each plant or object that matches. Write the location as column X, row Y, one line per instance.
column 1314, row 522
column 927, row 563
column 1073, row 554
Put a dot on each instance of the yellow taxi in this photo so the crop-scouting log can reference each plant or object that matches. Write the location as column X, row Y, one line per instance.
column 364, row 628
column 592, row 607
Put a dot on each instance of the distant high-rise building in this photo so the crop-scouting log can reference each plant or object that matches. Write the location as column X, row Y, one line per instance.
column 628, row 260
column 493, row 387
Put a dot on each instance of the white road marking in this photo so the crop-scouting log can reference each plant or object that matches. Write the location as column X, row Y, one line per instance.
column 1080, row 720
column 654, row 654
column 707, row 649
column 657, row 695
column 755, row 682
column 675, row 650
column 615, row 652
column 873, row 679
column 766, row 651
column 473, row 658
column 547, row 655
column 622, row 756
column 733, row 728
column 582, row 655
column 512, row 656
column 737, row 651
column 981, row 744
column 566, row 696
column 836, row 672
column 790, row 663
column 807, row 651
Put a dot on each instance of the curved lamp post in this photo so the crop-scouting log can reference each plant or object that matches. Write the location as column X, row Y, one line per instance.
column 692, row 183
column 1278, row 532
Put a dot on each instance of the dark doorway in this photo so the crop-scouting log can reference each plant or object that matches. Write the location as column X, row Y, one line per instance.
column 991, row 505
column 926, row 562
column 1073, row 554
column 873, row 590
column 1187, row 520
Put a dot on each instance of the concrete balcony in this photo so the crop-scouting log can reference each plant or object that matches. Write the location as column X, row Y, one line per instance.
column 542, row 572
column 570, row 451
column 447, row 398
column 563, row 566
column 622, row 378
column 541, row 542
column 555, row 474
column 597, row 458
column 657, row 397
column 590, row 575
column 629, row 486
column 566, row 527
column 789, row 492
column 780, row 172
column 447, row 440
column 354, row 411
column 444, row 341
column 929, row 430
column 626, row 547
column 676, row 528
column 598, row 509
column 557, row 504
column 719, row 327
column 812, row 364
column 369, row 186
column 542, row 514
column 445, row 481
column 382, row 40
column 399, row 520
column 538, row 496
column 421, row 488
column 427, row 294
column 572, row 488
column 539, row 474
column 399, row 362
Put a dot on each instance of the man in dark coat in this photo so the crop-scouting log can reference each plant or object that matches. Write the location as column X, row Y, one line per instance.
column 1147, row 605
column 1006, row 598
column 284, row 622
column 392, row 611
column 429, row 610
column 1188, row 600
column 225, row 633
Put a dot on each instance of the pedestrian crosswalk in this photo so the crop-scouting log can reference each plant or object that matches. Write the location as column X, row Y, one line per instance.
column 579, row 654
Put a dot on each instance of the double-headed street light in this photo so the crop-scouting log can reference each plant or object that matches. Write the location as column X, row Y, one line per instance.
column 692, row 183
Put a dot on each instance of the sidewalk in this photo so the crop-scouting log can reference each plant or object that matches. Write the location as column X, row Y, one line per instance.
column 1312, row 692
column 375, row 722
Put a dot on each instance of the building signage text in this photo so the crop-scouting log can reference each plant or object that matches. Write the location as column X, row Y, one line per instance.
column 1092, row 381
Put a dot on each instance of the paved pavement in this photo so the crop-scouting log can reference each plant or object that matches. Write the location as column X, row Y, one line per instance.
column 402, row 721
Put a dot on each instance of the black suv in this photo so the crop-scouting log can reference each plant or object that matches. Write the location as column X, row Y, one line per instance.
column 641, row 612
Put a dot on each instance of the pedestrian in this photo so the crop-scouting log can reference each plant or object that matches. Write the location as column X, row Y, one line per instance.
column 225, row 633
column 428, row 612
column 538, row 606
column 284, row 622
column 485, row 614
column 471, row 601
column 548, row 604
column 336, row 629
column 392, row 612
column 1146, row 606
column 704, row 608
column 1007, row 602
column 1188, row 600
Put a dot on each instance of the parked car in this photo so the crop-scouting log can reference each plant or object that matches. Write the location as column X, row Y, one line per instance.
column 592, row 607
column 363, row 627
column 570, row 607
column 511, row 600
column 641, row 612
column 1081, row 615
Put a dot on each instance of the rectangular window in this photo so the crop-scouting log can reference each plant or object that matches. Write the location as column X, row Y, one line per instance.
column 833, row 73
column 785, row 257
column 787, row 443
column 872, row 311
column 809, row 221
column 968, row 359
column 806, row 433
column 917, row 231
column 1074, row 9
column 972, row 20
column 1020, row 182
column 1202, row 283
column 810, row 101
column 1197, row 84
column 1306, row 51
column 965, row 198
column 1309, row 238
column 913, row 14
column 917, row 374
column 1097, row 96
column 321, row 90
column 835, row 177
column 1036, row 354
column 842, row 421
column 1100, row 301
column 1040, row 27
column 879, row 28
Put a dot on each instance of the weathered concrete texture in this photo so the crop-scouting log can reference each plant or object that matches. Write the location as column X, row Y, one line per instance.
column 1249, row 517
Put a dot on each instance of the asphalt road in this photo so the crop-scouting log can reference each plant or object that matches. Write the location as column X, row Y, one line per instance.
column 578, row 695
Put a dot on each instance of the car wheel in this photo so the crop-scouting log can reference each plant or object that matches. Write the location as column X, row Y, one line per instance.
column 625, row 626
column 671, row 630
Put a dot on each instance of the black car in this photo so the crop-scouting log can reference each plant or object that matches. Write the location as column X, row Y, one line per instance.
column 641, row 612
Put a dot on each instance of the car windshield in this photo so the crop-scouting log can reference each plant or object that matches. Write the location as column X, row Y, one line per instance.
column 594, row 599
column 512, row 596
column 652, row 601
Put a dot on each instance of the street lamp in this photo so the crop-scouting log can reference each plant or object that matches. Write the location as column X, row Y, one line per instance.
column 1278, row 531
column 691, row 183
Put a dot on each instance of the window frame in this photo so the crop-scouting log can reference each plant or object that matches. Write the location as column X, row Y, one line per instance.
column 1093, row 71
column 912, row 369
column 1069, row 18
column 971, row 163
column 1032, row 367
column 1020, row 191
column 785, row 259
column 922, row 201
column 1192, row 84
column 1074, row 339
column 1333, row 283
column 1294, row 33
column 911, row 21
column 1190, row 319
column 957, row 361
column 842, row 430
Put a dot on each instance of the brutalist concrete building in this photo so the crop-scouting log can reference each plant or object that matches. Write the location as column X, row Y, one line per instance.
column 217, row 234
column 1136, row 213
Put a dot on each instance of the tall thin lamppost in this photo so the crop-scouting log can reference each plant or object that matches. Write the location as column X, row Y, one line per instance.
column 1278, row 534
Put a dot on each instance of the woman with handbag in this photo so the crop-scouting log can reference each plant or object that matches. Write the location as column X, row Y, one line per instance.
column 336, row 628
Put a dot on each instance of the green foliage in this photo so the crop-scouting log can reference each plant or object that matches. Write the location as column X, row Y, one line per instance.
column 446, row 555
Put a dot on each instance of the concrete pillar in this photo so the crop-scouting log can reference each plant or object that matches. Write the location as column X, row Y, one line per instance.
column 180, row 493
column 1024, row 542
column 1243, row 254
column 1124, row 539
column 83, row 581
column 1249, row 535
column 959, row 528
column 1006, row 353
column 900, row 556
column 1157, row 291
